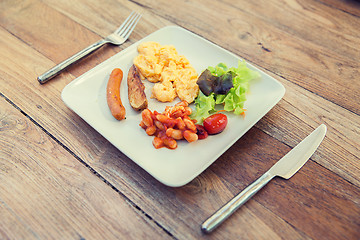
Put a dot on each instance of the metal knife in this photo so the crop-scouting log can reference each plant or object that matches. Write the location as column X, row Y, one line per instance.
column 286, row 167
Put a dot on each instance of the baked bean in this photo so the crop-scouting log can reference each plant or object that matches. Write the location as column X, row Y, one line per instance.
column 170, row 143
column 162, row 118
column 146, row 117
column 159, row 125
column 150, row 130
column 177, row 113
column 171, row 125
column 190, row 124
column 174, row 133
column 142, row 124
column 188, row 111
column 180, row 123
column 190, row 136
column 158, row 142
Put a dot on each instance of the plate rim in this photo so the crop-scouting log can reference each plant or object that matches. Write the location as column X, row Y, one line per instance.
column 130, row 48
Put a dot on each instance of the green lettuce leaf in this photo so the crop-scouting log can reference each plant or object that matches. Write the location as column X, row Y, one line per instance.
column 203, row 106
column 234, row 99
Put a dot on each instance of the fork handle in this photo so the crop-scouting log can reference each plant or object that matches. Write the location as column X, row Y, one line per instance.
column 61, row 66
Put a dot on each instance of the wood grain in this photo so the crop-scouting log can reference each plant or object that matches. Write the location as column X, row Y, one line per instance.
column 45, row 193
column 309, row 46
column 40, row 27
column 339, row 131
column 291, row 50
column 349, row 6
column 286, row 197
column 319, row 115
column 126, row 176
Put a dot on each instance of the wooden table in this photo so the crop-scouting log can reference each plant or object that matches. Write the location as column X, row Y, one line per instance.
column 60, row 179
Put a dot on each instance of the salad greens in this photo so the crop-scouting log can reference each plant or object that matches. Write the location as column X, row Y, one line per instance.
column 209, row 83
column 232, row 99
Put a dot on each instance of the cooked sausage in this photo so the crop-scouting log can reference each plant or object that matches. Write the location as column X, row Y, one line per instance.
column 136, row 90
column 113, row 94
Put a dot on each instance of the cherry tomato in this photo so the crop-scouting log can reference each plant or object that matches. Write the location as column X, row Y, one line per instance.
column 216, row 123
column 201, row 132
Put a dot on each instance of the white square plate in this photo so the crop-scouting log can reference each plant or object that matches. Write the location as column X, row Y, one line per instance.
column 86, row 96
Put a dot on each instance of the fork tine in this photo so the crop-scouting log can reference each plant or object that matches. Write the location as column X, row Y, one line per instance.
column 123, row 31
column 123, row 25
column 131, row 27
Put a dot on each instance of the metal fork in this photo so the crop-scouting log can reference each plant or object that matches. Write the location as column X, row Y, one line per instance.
column 118, row 37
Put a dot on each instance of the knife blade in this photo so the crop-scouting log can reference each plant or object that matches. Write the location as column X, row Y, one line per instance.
column 286, row 167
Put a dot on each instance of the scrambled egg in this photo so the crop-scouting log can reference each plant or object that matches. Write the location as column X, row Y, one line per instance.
column 172, row 74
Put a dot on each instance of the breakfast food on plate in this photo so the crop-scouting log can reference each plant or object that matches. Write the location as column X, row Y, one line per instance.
column 136, row 93
column 223, row 86
column 113, row 94
column 171, row 125
column 172, row 74
column 175, row 124
column 175, row 77
column 218, row 85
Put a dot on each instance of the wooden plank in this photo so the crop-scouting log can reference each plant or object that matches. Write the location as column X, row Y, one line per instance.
column 340, row 130
column 313, row 78
column 181, row 210
column 48, row 30
column 318, row 115
column 300, row 19
column 326, row 194
column 46, row 193
column 52, row 33
column 105, row 18
column 349, row 6
column 281, row 44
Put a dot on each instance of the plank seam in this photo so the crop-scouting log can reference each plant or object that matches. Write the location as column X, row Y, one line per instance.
column 92, row 170
column 334, row 7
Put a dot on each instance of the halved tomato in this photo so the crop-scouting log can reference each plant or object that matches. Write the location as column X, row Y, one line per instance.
column 216, row 123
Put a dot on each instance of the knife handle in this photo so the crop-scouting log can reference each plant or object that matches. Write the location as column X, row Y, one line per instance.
column 229, row 208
